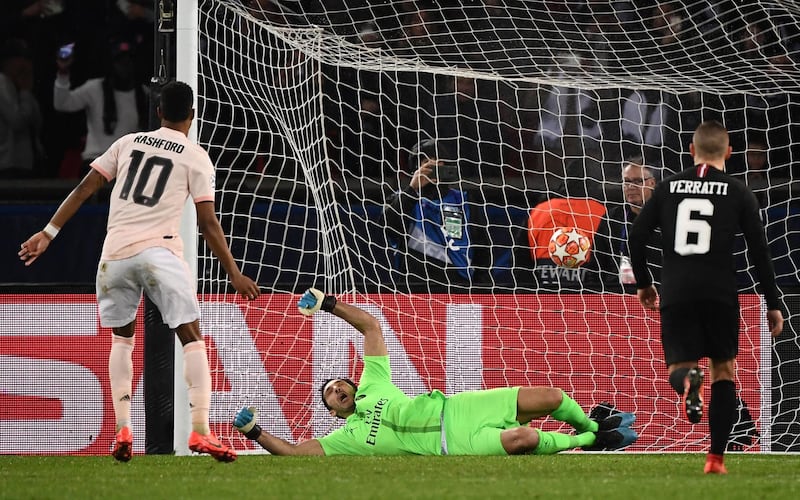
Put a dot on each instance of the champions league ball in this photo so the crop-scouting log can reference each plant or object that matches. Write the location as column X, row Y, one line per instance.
column 569, row 247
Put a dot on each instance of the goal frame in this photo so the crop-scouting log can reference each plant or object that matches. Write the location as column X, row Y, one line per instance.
column 187, row 46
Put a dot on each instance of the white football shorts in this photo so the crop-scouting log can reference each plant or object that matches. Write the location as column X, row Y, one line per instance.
column 161, row 274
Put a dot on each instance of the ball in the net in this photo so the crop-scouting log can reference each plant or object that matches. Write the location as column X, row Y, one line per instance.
column 569, row 247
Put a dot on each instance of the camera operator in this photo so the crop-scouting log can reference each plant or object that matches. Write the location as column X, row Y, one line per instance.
column 437, row 229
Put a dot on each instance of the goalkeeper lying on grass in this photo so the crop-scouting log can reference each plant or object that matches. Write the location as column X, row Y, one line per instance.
column 382, row 420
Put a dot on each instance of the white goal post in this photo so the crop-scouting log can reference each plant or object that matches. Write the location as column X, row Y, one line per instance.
column 187, row 36
column 311, row 116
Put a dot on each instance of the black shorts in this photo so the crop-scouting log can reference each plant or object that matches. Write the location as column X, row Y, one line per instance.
column 694, row 330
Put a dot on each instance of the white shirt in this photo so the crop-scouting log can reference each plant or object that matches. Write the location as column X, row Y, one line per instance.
column 156, row 172
column 89, row 96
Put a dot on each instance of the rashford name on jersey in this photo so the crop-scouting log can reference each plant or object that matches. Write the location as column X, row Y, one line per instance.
column 698, row 187
column 158, row 142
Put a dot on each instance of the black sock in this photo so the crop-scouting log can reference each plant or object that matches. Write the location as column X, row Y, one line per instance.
column 676, row 379
column 721, row 414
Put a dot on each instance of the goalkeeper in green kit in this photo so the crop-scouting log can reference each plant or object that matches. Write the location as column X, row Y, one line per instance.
column 380, row 419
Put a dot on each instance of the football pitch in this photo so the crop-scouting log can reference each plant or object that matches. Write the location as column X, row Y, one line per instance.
column 564, row 476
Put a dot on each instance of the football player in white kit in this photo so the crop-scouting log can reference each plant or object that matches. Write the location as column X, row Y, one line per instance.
column 155, row 173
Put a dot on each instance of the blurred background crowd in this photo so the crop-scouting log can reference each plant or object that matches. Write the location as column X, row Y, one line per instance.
column 48, row 132
column 517, row 91
column 42, row 134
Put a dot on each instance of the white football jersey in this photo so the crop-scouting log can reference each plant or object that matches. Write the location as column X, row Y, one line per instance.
column 155, row 174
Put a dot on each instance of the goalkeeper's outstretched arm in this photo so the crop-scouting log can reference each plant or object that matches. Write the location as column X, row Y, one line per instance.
column 278, row 446
column 246, row 422
column 313, row 300
column 310, row 302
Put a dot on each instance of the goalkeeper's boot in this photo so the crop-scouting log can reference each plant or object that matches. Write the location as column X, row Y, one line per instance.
column 123, row 445
column 613, row 439
column 714, row 464
column 210, row 444
column 618, row 438
column 616, row 420
column 602, row 411
column 693, row 395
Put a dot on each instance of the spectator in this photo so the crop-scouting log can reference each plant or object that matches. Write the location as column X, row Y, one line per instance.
column 42, row 24
column 606, row 36
column 638, row 181
column 137, row 10
column 31, row 19
column 425, row 35
column 757, row 175
column 470, row 110
column 756, row 159
column 438, row 230
column 134, row 20
column 270, row 11
column 570, row 122
column 574, row 120
column 479, row 127
column 650, row 123
column 20, row 116
column 667, row 23
column 759, row 41
column 571, row 207
column 665, row 47
column 115, row 105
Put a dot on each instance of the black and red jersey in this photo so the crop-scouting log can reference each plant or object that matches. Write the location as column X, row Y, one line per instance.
column 700, row 212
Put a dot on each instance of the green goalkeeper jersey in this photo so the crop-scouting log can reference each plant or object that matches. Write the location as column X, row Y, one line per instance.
column 386, row 420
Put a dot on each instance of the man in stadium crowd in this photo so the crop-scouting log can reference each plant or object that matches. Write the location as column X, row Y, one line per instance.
column 638, row 181
column 700, row 211
column 20, row 114
column 437, row 229
column 115, row 104
column 380, row 419
column 156, row 172
column 756, row 166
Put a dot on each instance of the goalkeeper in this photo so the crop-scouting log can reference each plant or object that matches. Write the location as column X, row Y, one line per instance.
column 382, row 420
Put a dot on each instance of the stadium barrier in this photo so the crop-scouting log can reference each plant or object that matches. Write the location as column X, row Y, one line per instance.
column 54, row 390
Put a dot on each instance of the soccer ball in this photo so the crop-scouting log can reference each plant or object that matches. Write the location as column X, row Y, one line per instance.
column 569, row 247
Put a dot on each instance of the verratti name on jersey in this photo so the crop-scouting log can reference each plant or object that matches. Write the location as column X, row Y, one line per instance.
column 699, row 187
column 157, row 142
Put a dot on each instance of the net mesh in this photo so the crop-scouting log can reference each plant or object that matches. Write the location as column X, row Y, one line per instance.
column 312, row 112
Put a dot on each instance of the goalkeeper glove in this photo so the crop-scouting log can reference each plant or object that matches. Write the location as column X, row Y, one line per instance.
column 245, row 422
column 313, row 300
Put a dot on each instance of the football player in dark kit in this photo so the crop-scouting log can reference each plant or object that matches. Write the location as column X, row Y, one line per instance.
column 700, row 211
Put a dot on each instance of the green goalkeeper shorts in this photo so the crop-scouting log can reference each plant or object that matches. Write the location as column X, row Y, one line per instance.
column 473, row 420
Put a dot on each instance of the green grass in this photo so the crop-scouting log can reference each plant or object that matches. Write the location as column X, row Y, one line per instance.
column 564, row 476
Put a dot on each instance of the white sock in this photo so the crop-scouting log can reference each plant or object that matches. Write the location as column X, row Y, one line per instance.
column 120, row 374
column 198, row 379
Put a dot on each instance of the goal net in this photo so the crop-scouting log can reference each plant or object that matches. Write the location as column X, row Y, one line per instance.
column 317, row 115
